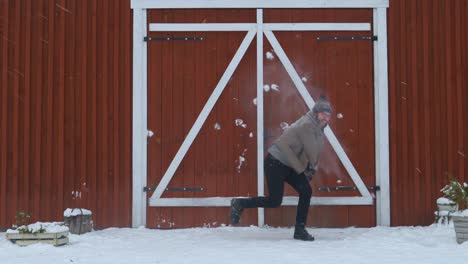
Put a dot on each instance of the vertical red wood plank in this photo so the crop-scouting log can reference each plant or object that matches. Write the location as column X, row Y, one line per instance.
column 82, row 100
column 436, row 109
column 459, row 84
column 25, row 126
column 13, row 117
column 103, row 132
column 92, row 86
column 116, row 58
column 426, row 61
column 448, row 85
column 37, row 86
column 47, row 108
column 99, row 192
column 109, row 136
column 465, row 95
column 127, row 113
column 71, row 195
column 409, row 88
column 392, row 116
column 59, row 109
column 415, row 86
column 4, row 43
column 404, row 117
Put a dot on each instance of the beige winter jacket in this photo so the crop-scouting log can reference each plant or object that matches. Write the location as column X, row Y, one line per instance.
column 300, row 144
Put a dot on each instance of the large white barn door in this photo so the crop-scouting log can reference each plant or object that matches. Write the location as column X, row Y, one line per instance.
column 259, row 29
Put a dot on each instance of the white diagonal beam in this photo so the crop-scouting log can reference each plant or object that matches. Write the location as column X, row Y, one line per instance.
column 204, row 114
column 310, row 103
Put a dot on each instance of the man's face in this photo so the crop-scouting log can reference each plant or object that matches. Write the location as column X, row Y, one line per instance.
column 324, row 118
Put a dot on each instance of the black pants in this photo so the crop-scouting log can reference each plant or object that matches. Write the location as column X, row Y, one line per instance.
column 276, row 174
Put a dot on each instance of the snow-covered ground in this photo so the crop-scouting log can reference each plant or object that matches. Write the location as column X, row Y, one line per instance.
column 434, row 244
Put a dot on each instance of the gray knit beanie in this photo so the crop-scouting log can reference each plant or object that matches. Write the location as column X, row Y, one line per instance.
column 322, row 105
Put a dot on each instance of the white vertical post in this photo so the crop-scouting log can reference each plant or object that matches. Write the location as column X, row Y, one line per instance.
column 260, row 176
column 382, row 150
column 139, row 152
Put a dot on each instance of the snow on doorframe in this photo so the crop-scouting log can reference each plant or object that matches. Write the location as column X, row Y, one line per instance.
column 140, row 103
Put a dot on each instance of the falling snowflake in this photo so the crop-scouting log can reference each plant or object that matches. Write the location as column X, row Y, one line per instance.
column 217, row 126
column 266, row 87
column 251, row 135
column 339, row 116
column 254, row 101
column 304, row 79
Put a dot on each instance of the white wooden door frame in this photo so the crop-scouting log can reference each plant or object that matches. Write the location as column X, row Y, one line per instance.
column 140, row 131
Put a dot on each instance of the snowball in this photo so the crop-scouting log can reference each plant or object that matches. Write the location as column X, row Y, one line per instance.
column 284, row 125
column 269, row 55
column 275, row 87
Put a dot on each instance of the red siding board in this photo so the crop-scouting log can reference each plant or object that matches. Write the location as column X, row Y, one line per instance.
column 4, row 42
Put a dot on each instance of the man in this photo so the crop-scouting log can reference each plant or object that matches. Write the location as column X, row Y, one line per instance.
column 292, row 158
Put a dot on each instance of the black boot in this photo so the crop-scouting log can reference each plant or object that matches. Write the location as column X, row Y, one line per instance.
column 236, row 211
column 301, row 233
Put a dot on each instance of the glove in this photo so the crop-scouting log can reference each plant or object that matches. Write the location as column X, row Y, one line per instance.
column 309, row 173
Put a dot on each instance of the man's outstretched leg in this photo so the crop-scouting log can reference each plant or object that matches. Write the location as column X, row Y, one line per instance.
column 275, row 173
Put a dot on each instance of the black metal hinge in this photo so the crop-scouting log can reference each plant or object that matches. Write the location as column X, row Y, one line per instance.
column 347, row 188
column 183, row 189
column 173, row 38
column 373, row 38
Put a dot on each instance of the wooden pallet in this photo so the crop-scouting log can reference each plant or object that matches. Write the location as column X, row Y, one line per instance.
column 56, row 239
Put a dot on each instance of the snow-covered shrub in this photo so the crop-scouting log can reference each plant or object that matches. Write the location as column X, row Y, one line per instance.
column 457, row 192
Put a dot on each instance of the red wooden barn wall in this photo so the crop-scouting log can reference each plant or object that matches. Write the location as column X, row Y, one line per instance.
column 428, row 69
column 65, row 103
column 65, row 107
